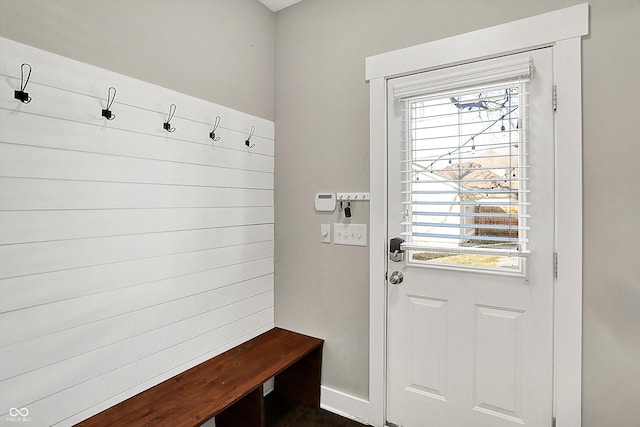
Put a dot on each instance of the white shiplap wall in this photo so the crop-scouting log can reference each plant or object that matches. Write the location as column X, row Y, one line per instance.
column 127, row 254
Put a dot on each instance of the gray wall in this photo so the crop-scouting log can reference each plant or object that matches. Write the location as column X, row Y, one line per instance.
column 218, row 50
column 322, row 122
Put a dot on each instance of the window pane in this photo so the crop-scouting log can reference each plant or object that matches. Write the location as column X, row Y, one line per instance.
column 466, row 177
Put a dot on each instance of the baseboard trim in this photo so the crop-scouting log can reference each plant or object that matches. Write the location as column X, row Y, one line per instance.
column 344, row 404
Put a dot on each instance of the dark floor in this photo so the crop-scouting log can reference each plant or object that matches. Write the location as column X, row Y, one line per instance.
column 284, row 413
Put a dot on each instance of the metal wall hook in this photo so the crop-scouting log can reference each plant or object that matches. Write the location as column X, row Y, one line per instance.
column 21, row 95
column 167, row 124
column 248, row 141
column 212, row 134
column 106, row 113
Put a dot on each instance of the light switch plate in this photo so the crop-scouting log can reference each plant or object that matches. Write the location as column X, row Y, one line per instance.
column 325, row 233
column 350, row 234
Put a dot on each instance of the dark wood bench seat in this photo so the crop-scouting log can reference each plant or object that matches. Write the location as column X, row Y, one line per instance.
column 228, row 386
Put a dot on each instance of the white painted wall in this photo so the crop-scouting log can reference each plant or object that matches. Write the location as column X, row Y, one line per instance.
column 129, row 254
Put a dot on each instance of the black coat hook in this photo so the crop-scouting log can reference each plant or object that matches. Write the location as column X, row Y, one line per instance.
column 212, row 134
column 106, row 113
column 248, row 141
column 21, row 95
column 167, row 125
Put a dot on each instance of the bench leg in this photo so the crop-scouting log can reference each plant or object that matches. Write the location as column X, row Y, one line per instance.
column 246, row 412
column 301, row 381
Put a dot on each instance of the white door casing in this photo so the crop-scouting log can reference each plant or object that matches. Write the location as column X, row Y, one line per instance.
column 468, row 347
column 561, row 29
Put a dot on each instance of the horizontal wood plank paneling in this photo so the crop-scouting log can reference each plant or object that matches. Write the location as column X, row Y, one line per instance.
column 34, row 258
column 40, row 289
column 52, row 163
column 94, row 355
column 127, row 253
column 26, row 193
column 43, row 226
column 37, row 321
column 63, row 134
column 228, row 285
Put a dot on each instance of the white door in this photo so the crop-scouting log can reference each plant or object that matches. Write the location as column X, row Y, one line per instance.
column 471, row 166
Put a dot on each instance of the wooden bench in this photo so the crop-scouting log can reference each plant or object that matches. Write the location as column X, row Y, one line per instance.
column 228, row 387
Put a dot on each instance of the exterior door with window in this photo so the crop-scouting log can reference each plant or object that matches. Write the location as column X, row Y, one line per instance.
column 470, row 191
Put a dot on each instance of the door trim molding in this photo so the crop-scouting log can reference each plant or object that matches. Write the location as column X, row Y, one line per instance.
column 563, row 30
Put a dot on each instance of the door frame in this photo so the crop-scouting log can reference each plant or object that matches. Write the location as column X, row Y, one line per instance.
column 562, row 29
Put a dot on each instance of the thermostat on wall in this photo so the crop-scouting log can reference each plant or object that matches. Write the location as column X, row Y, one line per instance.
column 325, row 202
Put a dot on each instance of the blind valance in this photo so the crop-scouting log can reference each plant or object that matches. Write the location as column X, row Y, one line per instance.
column 465, row 76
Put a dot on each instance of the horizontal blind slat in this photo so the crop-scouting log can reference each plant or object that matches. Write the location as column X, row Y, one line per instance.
column 479, row 251
column 470, row 214
column 469, row 237
column 469, row 226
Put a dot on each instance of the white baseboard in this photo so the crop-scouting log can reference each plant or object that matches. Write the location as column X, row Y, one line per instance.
column 344, row 404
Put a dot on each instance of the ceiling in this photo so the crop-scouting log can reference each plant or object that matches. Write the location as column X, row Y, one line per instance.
column 276, row 5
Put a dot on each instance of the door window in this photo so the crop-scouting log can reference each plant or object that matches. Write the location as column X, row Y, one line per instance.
column 465, row 174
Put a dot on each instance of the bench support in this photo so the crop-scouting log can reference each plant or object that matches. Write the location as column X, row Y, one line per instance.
column 248, row 411
column 301, row 381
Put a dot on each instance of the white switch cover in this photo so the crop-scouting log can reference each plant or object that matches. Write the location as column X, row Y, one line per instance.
column 325, row 233
column 350, row 234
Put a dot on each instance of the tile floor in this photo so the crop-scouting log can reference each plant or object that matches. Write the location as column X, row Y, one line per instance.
column 283, row 413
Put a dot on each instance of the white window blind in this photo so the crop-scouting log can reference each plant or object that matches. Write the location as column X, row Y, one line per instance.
column 465, row 161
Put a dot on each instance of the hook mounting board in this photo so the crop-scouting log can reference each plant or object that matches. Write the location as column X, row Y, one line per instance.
column 362, row 197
